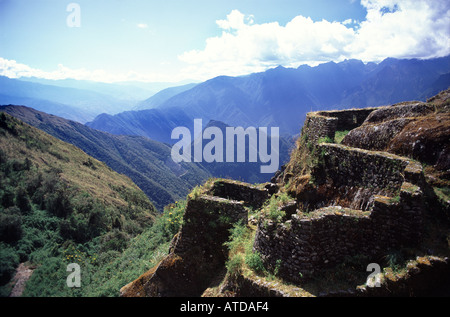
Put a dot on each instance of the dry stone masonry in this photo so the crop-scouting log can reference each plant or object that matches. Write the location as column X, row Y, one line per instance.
column 197, row 253
column 354, row 200
column 358, row 202
column 325, row 123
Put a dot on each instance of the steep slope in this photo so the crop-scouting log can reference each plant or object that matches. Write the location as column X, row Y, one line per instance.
column 157, row 99
column 244, row 171
column 55, row 108
column 396, row 80
column 155, row 124
column 21, row 142
column 148, row 163
column 55, row 198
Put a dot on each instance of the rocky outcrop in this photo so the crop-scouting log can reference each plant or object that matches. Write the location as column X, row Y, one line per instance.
column 413, row 129
column 397, row 111
column 377, row 136
column 426, row 140
column 424, row 276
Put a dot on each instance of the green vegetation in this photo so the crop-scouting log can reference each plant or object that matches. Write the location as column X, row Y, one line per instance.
column 395, row 199
column 60, row 206
column 302, row 160
column 103, row 271
column 339, row 136
column 172, row 218
column 325, row 139
column 443, row 193
column 196, row 192
column 240, row 250
column 242, row 260
column 145, row 161
column 273, row 209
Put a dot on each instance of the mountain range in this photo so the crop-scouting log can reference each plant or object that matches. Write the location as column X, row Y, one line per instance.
column 160, row 97
column 282, row 96
column 138, row 142
column 247, row 171
column 77, row 100
column 148, row 163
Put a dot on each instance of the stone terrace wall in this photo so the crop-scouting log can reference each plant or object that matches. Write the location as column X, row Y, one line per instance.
column 317, row 126
column 196, row 254
column 350, row 118
column 325, row 237
column 351, row 177
column 357, row 167
column 207, row 221
column 325, row 123
column 253, row 196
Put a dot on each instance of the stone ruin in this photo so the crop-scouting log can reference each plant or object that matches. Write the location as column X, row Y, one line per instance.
column 197, row 253
column 371, row 223
column 358, row 201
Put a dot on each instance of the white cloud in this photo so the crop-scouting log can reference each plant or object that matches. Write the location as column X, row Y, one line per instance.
column 392, row 28
column 403, row 29
column 235, row 20
column 13, row 69
column 348, row 21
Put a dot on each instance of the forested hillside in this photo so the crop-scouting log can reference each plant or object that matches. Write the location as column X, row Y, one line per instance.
column 148, row 163
column 59, row 206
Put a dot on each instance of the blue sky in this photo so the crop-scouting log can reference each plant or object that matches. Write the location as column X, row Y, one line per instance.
column 175, row 40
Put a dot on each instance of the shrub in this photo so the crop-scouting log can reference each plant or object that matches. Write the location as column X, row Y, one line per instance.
column 234, row 265
column 275, row 213
column 196, row 192
column 255, row 262
column 58, row 202
column 172, row 217
column 10, row 227
column 238, row 235
column 114, row 240
column 240, row 246
column 9, row 260
column 22, row 200
column 274, row 208
column 7, row 198
column 325, row 139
